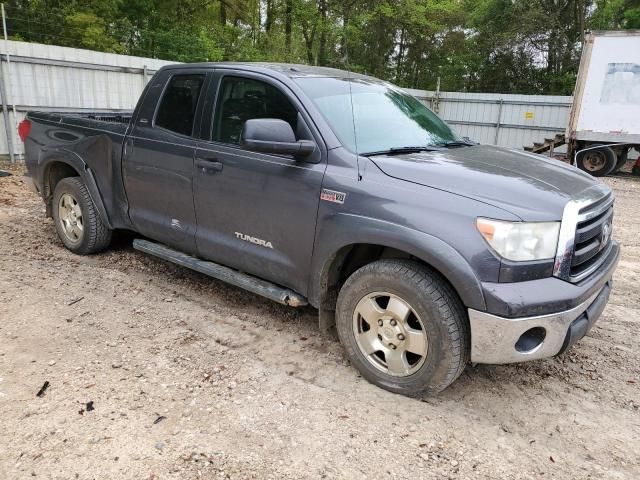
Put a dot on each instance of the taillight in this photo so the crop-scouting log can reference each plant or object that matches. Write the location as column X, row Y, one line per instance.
column 24, row 127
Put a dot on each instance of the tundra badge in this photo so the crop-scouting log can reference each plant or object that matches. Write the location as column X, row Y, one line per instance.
column 257, row 241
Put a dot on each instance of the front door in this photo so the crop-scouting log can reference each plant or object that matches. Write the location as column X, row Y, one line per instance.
column 256, row 212
column 158, row 168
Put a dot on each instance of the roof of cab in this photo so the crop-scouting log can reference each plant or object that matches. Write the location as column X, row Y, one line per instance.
column 290, row 70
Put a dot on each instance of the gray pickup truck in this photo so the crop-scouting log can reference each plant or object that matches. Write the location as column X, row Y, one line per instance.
column 317, row 186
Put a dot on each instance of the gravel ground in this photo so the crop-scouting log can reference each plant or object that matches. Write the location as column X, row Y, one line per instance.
column 158, row 372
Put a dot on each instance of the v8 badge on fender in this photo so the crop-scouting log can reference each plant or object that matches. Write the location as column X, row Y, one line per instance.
column 332, row 196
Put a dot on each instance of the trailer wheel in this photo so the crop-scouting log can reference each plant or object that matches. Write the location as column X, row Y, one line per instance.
column 597, row 161
column 623, row 156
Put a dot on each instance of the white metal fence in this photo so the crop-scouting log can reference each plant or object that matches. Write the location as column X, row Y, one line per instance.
column 48, row 77
column 501, row 119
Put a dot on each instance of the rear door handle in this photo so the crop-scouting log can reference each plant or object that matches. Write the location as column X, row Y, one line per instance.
column 208, row 166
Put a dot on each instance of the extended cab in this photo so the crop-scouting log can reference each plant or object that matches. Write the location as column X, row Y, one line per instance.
column 315, row 185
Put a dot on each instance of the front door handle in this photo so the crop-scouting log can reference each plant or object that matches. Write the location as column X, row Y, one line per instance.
column 208, row 166
column 127, row 147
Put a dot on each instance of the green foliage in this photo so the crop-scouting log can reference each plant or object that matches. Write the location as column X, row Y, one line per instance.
column 616, row 14
column 515, row 46
column 91, row 32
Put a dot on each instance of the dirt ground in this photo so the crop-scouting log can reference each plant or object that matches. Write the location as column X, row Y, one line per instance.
column 157, row 372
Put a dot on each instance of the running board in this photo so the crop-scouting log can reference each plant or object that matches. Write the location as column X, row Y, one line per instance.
column 228, row 275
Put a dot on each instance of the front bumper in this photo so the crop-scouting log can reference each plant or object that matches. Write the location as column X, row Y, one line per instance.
column 507, row 340
column 498, row 339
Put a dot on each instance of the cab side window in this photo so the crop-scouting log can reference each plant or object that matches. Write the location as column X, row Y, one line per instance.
column 242, row 99
column 178, row 105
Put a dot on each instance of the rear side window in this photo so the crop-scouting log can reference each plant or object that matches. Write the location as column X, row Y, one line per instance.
column 178, row 105
column 242, row 99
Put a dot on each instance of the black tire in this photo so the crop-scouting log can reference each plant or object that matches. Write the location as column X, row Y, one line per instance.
column 622, row 157
column 435, row 305
column 597, row 161
column 95, row 236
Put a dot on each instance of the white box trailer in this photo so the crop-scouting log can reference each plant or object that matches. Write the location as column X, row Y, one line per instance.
column 604, row 124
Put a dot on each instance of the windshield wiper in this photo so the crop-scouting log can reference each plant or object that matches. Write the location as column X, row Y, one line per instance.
column 401, row 150
column 456, row 143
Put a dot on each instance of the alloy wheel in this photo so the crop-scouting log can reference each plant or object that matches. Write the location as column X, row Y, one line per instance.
column 70, row 218
column 390, row 334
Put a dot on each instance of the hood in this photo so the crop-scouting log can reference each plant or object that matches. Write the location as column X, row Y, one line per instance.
column 530, row 186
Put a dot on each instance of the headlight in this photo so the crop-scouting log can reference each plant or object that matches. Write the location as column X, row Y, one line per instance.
column 520, row 241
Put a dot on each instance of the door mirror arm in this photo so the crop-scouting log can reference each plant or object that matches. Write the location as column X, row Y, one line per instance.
column 298, row 149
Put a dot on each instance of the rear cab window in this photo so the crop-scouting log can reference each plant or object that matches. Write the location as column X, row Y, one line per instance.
column 177, row 108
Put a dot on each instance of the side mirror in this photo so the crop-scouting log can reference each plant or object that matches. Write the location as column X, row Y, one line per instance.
column 272, row 135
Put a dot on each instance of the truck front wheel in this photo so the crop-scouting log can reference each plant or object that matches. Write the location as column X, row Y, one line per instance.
column 597, row 161
column 76, row 218
column 403, row 327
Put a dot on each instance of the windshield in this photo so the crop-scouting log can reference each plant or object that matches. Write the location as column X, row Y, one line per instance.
column 384, row 117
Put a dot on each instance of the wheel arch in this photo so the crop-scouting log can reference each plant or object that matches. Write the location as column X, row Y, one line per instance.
column 59, row 165
column 358, row 241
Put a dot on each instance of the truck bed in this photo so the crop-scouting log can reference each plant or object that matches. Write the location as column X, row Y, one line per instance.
column 109, row 121
column 54, row 134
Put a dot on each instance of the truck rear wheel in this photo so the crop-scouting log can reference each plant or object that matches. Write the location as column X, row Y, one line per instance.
column 76, row 218
column 597, row 161
column 403, row 327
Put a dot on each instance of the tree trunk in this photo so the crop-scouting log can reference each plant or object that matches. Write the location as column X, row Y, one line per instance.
column 400, row 56
column 223, row 13
column 582, row 12
column 322, row 44
column 269, row 20
column 344, row 40
column 287, row 28
column 256, row 22
column 414, row 82
column 308, row 40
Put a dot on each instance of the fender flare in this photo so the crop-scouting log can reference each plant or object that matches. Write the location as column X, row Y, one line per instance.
column 343, row 230
column 76, row 162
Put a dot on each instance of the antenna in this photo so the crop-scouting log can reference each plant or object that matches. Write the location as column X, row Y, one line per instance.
column 353, row 113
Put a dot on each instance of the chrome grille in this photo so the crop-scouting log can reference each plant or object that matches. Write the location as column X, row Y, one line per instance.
column 592, row 238
column 585, row 234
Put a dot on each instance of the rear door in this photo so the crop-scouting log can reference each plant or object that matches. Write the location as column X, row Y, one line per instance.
column 256, row 212
column 158, row 167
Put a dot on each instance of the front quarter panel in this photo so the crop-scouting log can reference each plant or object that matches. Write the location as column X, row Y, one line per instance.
column 435, row 226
